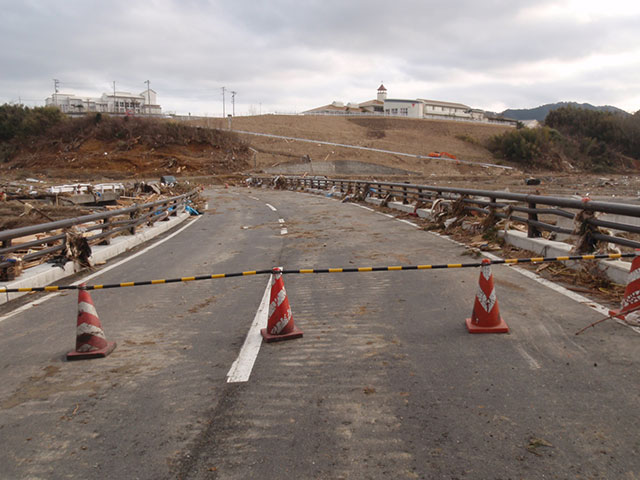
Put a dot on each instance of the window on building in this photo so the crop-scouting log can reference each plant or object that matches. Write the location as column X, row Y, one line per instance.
column 394, row 111
column 404, row 111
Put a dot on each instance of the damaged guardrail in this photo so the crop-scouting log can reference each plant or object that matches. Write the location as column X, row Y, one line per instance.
column 64, row 237
column 498, row 204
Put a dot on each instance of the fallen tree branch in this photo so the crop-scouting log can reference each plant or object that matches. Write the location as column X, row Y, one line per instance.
column 607, row 318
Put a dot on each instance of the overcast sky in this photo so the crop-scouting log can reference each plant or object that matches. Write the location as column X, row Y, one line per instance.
column 293, row 55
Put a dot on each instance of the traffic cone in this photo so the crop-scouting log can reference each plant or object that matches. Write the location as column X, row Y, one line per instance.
column 631, row 299
column 90, row 339
column 486, row 315
column 280, row 325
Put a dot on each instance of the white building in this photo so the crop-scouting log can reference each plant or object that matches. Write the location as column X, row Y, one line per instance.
column 124, row 103
column 421, row 108
column 418, row 108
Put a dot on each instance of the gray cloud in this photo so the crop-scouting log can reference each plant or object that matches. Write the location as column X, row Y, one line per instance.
column 289, row 55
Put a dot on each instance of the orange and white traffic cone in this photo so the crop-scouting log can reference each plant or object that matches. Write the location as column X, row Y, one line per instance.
column 280, row 325
column 630, row 306
column 486, row 315
column 90, row 338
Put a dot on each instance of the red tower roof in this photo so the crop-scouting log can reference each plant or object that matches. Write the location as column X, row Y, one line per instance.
column 381, row 88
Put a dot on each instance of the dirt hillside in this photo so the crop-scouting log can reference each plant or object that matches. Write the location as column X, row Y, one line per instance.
column 414, row 136
column 117, row 148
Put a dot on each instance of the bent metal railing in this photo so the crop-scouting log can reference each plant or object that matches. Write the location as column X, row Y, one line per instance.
column 501, row 205
column 53, row 236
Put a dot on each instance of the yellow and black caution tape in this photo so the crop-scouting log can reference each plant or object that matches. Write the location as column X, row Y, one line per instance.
column 508, row 261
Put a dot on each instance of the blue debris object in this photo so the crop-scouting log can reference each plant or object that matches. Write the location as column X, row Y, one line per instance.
column 191, row 210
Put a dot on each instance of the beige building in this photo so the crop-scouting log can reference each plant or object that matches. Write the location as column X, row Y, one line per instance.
column 410, row 108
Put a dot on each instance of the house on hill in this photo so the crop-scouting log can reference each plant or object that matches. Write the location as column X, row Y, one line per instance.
column 411, row 108
column 375, row 106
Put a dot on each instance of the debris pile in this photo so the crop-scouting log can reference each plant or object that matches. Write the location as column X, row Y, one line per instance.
column 22, row 207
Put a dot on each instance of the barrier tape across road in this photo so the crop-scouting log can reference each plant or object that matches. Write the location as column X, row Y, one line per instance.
column 507, row 261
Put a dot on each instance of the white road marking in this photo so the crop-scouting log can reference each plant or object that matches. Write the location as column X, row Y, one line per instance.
column 240, row 370
column 362, row 206
column 553, row 286
column 254, row 198
column 408, row 222
column 271, row 207
column 281, row 220
column 283, row 231
column 388, row 215
column 564, row 291
column 26, row 307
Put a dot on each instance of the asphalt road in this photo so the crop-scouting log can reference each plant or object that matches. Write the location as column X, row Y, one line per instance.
column 385, row 383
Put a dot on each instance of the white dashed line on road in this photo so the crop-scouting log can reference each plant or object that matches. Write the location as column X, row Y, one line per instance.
column 271, row 207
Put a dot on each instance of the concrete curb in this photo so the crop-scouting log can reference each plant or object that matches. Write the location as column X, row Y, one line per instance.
column 47, row 274
column 616, row 270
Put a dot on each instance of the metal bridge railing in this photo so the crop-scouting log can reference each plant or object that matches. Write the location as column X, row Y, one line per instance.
column 106, row 225
column 500, row 204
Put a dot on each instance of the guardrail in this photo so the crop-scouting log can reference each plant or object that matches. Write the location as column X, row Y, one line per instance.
column 499, row 204
column 107, row 225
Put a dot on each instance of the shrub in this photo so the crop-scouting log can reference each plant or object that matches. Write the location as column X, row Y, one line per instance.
column 524, row 145
column 20, row 121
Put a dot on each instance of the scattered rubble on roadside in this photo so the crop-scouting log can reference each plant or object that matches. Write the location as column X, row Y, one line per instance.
column 22, row 205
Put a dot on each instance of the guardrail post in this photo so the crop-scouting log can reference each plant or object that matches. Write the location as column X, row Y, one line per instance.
column 492, row 208
column 404, row 196
column 106, row 229
column 532, row 230
column 132, row 217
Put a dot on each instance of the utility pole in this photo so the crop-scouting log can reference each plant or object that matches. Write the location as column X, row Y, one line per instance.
column 56, row 84
column 114, row 96
column 223, row 102
column 148, row 98
column 233, row 102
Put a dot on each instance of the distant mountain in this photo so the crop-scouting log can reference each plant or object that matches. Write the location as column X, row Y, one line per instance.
column 540, row 113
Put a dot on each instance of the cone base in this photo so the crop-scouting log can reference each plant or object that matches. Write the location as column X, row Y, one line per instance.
column 103, row 352
column 295, row 333
column 500, row 328
column 617, row 314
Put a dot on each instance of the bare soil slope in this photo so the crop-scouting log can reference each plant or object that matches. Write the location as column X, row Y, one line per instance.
column 413, row 136
column 123, row 148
